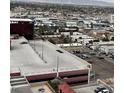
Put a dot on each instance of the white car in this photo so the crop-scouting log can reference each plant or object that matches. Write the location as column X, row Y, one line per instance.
column 101, row 90
column 104, row 91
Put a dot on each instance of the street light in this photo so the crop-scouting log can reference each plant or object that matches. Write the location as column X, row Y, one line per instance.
column 34, row 42
column 57, row 65
column 89, row 75
column 42, row 50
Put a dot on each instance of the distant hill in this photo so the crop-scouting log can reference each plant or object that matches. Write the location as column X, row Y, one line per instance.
column 72, row 2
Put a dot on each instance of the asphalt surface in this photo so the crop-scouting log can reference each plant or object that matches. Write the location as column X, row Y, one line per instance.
column 103, row 66
column 89, row 89
column 36, row 86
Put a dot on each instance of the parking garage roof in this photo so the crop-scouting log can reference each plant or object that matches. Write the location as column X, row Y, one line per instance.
column 20, row 19
column 29, row 61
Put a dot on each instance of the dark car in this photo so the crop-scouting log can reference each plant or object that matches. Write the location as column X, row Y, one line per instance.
column 111, row 56
column 90, row 62
column 100, row 57
column 92, row 53
column 98, row 89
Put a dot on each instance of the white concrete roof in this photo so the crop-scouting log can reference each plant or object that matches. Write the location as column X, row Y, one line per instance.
column 83, row 36
column 20, row 19
column 72, row 44
column 42, row 18
column 23, row 57
column 25, row 89
column 71, row 23
column 104, row 43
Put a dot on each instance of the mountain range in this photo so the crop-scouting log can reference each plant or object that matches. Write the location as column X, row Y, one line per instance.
column 72, row 2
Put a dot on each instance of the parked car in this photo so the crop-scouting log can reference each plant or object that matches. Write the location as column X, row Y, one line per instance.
column 111, row 56
column 92, row 53
column 84, row 56
column 105, row 91
column 98, row 89
column 90, row 62
column 101, row 90
column 100, row 57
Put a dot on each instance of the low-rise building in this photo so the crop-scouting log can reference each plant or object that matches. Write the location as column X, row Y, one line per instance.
column 83, row 39
column 71, row 24
column 22, row 27
column 104, row 47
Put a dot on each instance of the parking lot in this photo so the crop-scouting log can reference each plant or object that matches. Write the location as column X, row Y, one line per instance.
column 88, row 88
column 103, row 66
column 37, row 86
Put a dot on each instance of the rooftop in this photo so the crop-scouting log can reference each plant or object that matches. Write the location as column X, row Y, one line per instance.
column 29, row 62
column 20, row 19
column 20, row 85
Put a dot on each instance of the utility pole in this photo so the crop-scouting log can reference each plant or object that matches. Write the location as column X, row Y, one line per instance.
column 42, row 50
column 34, row 40
column 34, row 44
column 70, row 39
column 89, row 75
column 57, row 66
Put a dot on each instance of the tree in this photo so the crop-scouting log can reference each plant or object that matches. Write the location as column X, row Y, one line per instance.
column 97, row 40
column 91, row 42
column 62, row 36
column 105, row 39
column 112, row 39
column 52, row 41
column 91, row 25
column 80, row 37
column 75, row 40
column 43, row 30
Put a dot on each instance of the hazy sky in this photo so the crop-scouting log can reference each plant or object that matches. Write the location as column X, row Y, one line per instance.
column 106, row 0
column 95, row 0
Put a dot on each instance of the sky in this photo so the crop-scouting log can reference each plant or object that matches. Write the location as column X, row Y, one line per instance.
column 95, row 0
column 106, row 0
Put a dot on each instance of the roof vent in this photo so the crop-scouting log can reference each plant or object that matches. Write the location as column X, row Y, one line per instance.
column 59, row 51
column 24, row 42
